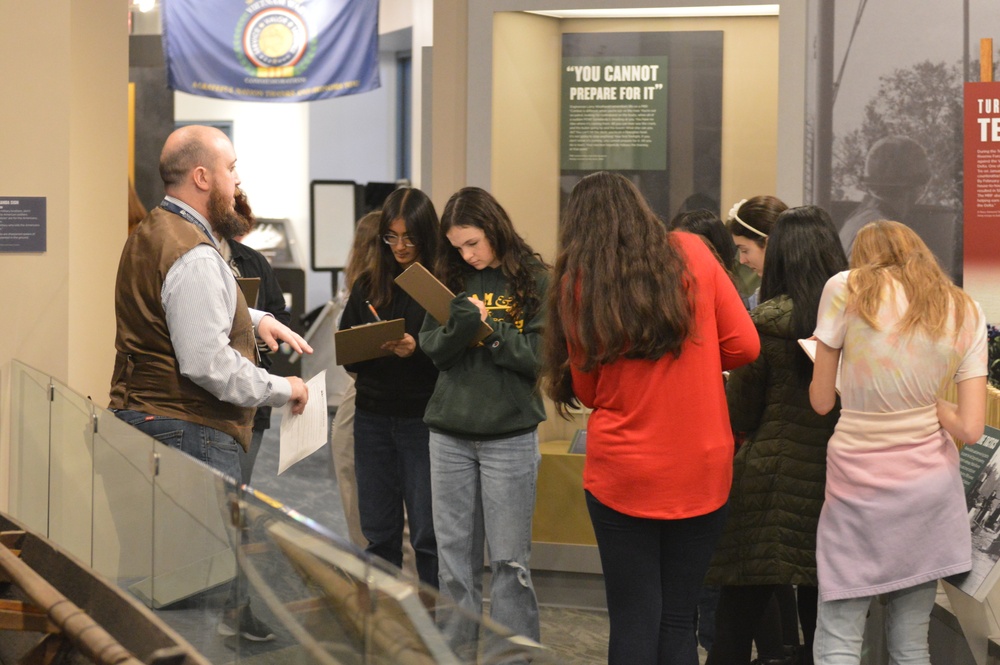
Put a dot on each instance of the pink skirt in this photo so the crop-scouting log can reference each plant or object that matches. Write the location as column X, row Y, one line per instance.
column 895, row 513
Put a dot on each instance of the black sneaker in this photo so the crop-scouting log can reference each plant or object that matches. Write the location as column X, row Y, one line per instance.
column 248, row 626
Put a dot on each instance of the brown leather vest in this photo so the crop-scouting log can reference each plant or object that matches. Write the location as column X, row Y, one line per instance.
column 146, row 376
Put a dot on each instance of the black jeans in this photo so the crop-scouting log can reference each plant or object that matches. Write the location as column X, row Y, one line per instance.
column 393, row 467
column 653, row 570
column 742, row 619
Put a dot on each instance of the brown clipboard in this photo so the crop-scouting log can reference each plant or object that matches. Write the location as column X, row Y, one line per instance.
column 250, row 287
column 433, row 296
column 365, row 342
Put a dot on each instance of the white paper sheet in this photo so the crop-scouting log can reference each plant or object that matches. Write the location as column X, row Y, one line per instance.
column 304, row 434
column 809, row 346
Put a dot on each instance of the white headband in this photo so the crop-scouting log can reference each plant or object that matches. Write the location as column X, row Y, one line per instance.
column 734, row 214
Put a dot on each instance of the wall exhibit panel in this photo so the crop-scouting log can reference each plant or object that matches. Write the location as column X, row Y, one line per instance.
column 524, row 142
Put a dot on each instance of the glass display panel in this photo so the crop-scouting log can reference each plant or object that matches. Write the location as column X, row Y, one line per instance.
column 163, row 525
column 190, row 550
column 343, row 605
column 123, row 501
column 71, row 475
column 29, row 447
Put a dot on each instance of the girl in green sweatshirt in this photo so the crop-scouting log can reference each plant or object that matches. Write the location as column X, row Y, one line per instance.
column 484, row 414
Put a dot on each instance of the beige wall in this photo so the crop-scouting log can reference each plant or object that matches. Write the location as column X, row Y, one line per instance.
column 446, row 103
column 526, row 93
column 64, row 122
column 524, row 160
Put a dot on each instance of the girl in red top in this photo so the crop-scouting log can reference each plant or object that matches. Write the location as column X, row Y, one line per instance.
column 642, row 324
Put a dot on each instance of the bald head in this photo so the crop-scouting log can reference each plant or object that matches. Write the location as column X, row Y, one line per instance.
column 198, row 167
column 188, row 148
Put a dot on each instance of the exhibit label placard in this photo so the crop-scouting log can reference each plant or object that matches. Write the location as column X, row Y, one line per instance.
column 982, row 166
column 614, row 113
column 981, row 195
column 22, row 223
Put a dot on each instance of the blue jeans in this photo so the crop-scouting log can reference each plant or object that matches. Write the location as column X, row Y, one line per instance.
column 653, row 570
column 841, row 623
column 485, row 491
column 216, row 449
column 392, row 468
column 249, row 457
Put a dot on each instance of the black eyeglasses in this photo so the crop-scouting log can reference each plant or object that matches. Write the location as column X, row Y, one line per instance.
column 393, row 239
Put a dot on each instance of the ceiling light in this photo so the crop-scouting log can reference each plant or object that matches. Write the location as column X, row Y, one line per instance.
column 146, row 5
column 664, row 12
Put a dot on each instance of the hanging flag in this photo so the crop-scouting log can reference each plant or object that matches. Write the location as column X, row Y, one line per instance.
column 271, row 50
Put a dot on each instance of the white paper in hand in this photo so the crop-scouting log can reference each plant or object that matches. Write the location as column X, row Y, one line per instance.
column 304, row 434
column 809, row 346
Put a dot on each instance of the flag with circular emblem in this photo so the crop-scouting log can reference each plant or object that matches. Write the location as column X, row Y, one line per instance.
column 271, row 50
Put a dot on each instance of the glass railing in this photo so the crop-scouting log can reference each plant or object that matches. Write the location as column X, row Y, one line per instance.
column 164, row 527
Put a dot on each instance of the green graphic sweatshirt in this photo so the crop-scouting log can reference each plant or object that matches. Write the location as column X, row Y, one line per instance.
column 485, row 391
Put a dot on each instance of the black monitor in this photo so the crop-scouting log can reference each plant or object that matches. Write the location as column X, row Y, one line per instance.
column 375, row 194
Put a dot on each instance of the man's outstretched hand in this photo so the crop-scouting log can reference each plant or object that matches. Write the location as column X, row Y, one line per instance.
column 271, row 331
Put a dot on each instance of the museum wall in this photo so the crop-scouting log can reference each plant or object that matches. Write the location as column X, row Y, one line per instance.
column 64, row 119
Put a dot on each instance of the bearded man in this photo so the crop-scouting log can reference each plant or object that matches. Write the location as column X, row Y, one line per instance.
column 185, row 369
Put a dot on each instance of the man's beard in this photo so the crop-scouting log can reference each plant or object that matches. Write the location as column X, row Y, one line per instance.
column 225, row 222
column 242, row 207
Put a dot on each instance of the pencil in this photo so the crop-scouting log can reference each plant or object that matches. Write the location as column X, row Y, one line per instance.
column 374, row 313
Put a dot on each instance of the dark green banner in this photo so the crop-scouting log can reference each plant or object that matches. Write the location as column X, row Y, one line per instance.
column 614, row 113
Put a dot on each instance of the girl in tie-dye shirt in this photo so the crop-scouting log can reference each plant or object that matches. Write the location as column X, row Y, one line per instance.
column 894, row 520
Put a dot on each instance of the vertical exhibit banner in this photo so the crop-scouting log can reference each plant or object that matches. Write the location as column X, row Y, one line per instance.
column 981, row 166
column 614, row 113
column 271, row 50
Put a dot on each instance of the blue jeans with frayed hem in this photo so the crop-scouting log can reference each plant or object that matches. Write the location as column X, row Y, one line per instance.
column 484, row 493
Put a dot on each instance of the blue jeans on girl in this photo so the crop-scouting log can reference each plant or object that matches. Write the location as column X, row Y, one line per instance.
column 484, row 491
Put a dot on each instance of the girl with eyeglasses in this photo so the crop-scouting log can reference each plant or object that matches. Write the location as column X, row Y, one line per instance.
column 391, row 460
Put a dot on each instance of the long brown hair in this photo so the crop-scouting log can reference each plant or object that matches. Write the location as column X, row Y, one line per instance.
column 363, row 248
column 886, row 251
column 472, row 206
column 620, row 287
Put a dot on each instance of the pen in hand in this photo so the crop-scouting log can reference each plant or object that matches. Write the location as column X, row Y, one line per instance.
column 374, row 313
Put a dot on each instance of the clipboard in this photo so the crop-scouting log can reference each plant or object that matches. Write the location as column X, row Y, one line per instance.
column 250, row 286
column 364, row 342
column 433, row 296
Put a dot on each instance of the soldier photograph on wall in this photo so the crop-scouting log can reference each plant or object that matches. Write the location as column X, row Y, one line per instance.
column 885, row 121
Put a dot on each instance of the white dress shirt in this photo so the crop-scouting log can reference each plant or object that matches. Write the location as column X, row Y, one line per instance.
column 199, row 297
